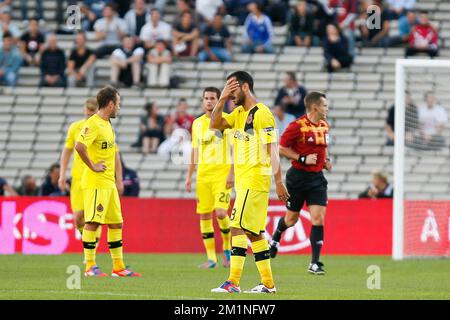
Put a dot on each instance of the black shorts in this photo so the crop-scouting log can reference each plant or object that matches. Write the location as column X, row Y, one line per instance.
column 305, row 186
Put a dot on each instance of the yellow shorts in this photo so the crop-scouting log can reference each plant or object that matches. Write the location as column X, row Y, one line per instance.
column 102, row 206
column 211, row 196
column 76, row 196
column 250, row 211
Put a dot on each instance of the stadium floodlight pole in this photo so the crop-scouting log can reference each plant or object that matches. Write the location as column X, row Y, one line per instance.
column 399, row 147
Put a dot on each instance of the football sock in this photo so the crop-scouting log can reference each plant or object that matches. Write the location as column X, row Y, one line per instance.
column 224, row 225
column 316, row 239
column 207, row 230
column 238, row 253
column 262, row 258
column 116, row 248
column 279, row 231
column 88, row 239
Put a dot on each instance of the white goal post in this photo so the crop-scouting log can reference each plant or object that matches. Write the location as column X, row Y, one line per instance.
column 401, row 68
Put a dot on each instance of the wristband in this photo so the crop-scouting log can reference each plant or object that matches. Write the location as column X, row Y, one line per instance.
column 301, row 159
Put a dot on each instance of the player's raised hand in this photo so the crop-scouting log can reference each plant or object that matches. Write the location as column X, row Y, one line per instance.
column 62, row 183
column 188, row 185
column 282, row 192
column 231, row 86
column 99, row 166
column 311, row 159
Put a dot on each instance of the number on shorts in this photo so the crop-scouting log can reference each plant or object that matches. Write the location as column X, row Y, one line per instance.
column 224, row 197
column 233, row 213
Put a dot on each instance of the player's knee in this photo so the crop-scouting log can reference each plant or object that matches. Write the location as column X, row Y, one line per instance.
column 116, row 226
column 289, row 221
column 221, row 214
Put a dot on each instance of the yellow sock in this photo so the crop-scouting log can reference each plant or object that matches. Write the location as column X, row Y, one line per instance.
column 88, row 238
column 238, row 253
column 207, row 230
column 224, row 225
column 98, row 234
column 261, row 251
column 115, row 247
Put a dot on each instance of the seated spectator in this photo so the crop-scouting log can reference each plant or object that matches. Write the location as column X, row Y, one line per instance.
column 159, row 65
column 53, row 64
column 126, row 63
column 92, row 11
column 177, row 146
column 155, row 30
column 24, row 10
column 109, row 30
column 207, row 9
column 258, row 31
column 10, row 61
column 323, row 16
column 411, row 122
column 80, row 67
column 282, row 119
column 291, row 96
column 28, row 186
column 50, row 186
column 405, row 24
column 181, row 119
column 346, row 12
column 5, row 6
column 185, row 35
column 379, row 188
column 136, row 18
column 130, row 181
column 6, row 189
column 217, row 44
column 7, row 26
column 301, row 25
column 432, row 121
column 32, row 44
column 373, row 36
column 423, row 38
column 335, row 50
column 397, row 8
column 151, row 129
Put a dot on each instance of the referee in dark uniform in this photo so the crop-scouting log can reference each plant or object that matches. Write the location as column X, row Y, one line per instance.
column 305, row 142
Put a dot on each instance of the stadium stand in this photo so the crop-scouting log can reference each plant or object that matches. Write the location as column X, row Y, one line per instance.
column 33, row 119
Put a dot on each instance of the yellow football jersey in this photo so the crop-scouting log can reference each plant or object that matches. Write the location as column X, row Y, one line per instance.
column 78, row 165
column 99, row 138
column 214, row 150
column 253, row 130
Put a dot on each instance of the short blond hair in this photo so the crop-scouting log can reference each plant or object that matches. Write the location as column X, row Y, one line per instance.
column 382, row 175
column 91, row 104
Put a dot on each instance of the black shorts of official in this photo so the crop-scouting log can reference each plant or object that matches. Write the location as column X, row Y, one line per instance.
column 305, row 186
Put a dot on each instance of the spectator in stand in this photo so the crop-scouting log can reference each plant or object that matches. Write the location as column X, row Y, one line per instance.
column 151, row 129
column 207, row 9
column 411, row 122
column 28, row 186
column 136, row 18
column 277, row 9
column 109, row 30
column 432, row 121
column 301, row 25
column 217, row 44
column 185, row 5
column 154, row 30
column 258, row 31
column 50, row 186
column 181, row 119
column 126, row 63
column 185, row 36
column 346, row 12
column 32, row 44
column 6, row 189
column 24, row 10
column 7, row 26
column 423, row 38
column 379, row 188
column 282, row 119
column 405, row 24
column 323, row 16
column 10, row 61
column 335, row 49
column 291, row 96
column 92, row 11
column 122, row 7
column 53, row 64
column 159, row 65
column 130, row 181
column 80, row 67
column 159, row 5
column 398, row 8
column 5, row 5
column 374, row 37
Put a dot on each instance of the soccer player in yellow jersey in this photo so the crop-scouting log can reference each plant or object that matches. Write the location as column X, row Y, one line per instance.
column 97, row 148
column 255, row 156
column 212, row 153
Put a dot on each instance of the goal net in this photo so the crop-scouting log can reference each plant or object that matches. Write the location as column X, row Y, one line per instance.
column 421, row 214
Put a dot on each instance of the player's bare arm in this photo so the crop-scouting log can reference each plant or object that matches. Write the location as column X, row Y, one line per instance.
column 63, row 163
column 309, row 159
column 82, row 151
column 119, row 173
column 328, row 164
column 217, row 121
column 230, row 178
column 280, row 188
column 191, row 169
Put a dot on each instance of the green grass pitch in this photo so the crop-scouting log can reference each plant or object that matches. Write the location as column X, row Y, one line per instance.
column 176, row 276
